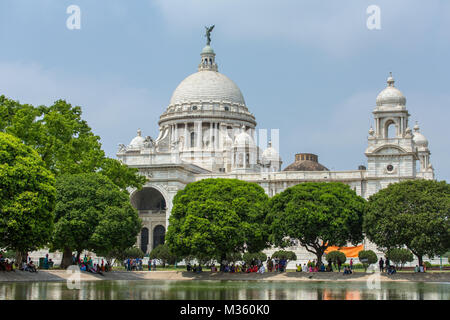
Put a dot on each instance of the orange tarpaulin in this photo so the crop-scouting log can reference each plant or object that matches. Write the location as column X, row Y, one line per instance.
column 350, row 252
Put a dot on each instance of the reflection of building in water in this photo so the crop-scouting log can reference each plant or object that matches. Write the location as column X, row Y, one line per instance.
column 207, row 131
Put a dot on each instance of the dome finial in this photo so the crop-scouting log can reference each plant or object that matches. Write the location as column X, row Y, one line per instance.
column 208, row 34
column 416, row 127
column 139, row 132
column 208, row 62
column 390, row 80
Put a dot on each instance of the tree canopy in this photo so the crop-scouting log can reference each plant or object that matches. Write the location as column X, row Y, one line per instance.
column 317, row 215
column 162, row 252
column 64, row 140
column 122, row 175
column 93, row 214
column 284, row 254
column 413, row 213
column 27, row 197
column 248, row 257
column 214, row 217
column 335, row 256
column 399, row 256
column 367, row 257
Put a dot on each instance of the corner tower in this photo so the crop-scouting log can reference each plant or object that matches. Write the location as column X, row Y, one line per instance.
column 391, row 153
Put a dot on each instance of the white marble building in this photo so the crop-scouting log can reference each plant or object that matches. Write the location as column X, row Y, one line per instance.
column 207, row 131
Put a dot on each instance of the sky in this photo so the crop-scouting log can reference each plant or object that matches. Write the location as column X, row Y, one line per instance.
column 311, row 68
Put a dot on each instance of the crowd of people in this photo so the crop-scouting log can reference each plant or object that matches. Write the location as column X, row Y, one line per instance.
column 386, row 266
column 255, row 266
column 87, row 264
column 133, row 264
column 10, row 265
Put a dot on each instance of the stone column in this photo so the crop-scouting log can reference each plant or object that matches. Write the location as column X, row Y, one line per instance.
column 211, row 135
column 176, row 131
column 186, row 138
column 199, row 134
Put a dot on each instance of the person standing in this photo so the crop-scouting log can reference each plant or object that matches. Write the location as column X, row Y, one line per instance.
column 154, row 264
column 387, row 264
column 339, row 263
column 381, row 264
column 351, row 264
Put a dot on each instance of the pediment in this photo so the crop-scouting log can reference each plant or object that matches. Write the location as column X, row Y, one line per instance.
column 389, row 149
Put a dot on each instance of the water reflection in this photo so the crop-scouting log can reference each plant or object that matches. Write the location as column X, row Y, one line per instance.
column 223, row 290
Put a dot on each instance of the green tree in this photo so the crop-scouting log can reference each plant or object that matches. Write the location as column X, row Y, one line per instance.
column 121, row 255
column 163, row 253
column 249, row 257
column 399, row 256
column 284, row 254
column 335, row 256
column 215, row 217
column 64, row 141
column 414, row 214
column 92, row 214
column 317, row 215
column 122, row 175
column 27, row 197
column 367, row 257
column 232, row 257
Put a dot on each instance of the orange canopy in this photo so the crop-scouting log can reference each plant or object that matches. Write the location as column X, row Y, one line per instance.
column 350, row 252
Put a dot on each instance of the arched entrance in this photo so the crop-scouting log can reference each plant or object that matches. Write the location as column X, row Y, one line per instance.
column 149, row 199
column 144, row 240
column 159, row 233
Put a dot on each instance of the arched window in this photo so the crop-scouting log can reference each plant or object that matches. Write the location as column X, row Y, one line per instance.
column 390, row 129
column 144, row 240
column 159, row 233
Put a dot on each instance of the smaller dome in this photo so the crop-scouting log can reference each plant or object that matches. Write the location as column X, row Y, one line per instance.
column 306, row 162
column 137, row 141
column 270, row 154
column 391, row 96
column 419, row 139
column 243, row 139
column 207, row 50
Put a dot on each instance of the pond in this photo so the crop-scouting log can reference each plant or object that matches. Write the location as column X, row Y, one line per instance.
column 223, row 290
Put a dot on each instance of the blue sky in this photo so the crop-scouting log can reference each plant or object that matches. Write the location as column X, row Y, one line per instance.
column 310, row 68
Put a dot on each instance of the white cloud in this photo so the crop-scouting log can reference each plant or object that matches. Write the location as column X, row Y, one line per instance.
column 110, row 106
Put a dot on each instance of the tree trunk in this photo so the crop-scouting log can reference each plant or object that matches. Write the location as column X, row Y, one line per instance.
column 222, row 258
column 420, row 260
column 21, row 257
column 319, row 255
column 66, row 260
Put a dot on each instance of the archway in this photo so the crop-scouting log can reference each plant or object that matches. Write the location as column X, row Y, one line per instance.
column 390, row 129
column 148, row 199
column 144, row 239
column 159, row 233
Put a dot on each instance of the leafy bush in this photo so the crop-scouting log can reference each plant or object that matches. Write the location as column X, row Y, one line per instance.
column 163, row 253
column 367, row 257
column 399, row 256
column 233, row 257
column 283, row 254
column 336, row 256
column 249, row 257
column 427, row 264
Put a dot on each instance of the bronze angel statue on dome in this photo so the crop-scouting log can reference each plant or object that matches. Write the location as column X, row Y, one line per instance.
column 208, row 34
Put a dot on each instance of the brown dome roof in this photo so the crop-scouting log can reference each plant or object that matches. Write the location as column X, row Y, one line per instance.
column 306, row 162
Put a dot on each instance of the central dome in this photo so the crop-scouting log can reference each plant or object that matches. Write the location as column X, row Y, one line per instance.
column 207, row 85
